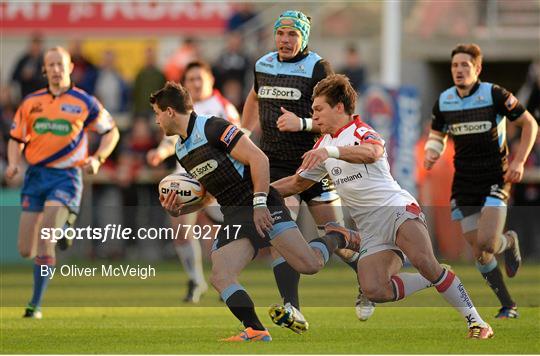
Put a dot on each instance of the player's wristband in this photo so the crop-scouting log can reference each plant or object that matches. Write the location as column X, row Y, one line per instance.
column 260, row 194
column 435, row 143
column 333, row 151
column 305, row 124
column 259, row 201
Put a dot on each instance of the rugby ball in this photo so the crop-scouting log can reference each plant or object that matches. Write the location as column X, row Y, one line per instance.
column 189, row 191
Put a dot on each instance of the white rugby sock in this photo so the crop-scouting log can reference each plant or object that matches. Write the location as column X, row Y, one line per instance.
column 405, row 284
column 191, row 258
column 451, row 288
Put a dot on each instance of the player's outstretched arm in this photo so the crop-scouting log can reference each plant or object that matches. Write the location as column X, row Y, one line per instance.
column 364, row 153
column 529, row 130
column 106, row 146
column 164, row 150
column 14, row 155
column 434, row 148
column 292, row 185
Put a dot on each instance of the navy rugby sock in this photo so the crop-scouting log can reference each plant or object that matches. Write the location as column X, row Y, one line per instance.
column 287, row 280
column 241, row 305
column 494, row 278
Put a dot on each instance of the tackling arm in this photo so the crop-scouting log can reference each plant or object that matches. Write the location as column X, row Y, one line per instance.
column 292, row 185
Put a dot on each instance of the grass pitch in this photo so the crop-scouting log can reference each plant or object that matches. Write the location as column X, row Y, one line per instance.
column 129, row 315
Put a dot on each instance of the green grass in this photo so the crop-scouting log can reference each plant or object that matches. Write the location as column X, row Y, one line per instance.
column 85, row 316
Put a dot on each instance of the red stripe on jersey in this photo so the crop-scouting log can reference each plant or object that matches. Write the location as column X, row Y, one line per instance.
column 374, row 142
column 445, row 284
column 318, row 142
column 414, row 209
column 336, row 134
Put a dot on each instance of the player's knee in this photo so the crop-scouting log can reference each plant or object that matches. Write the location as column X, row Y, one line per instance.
column 221, row 280
column 486, row 245
column 309, row 265
column 313, row 267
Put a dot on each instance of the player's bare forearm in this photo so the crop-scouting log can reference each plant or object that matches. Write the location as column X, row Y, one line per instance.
column 166, row 146
column 14, row 152
column 434, row 147
column 108, row 143
column 529, row 130
column 364, row 153
column 292, row 185
column 250, row 114
column 260, row 173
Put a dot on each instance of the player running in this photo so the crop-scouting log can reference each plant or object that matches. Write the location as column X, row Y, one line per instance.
column 474, row 113
column 199, row 82
column 284, row 82
column 388, row 218
column 237, row 175
column 51, row 127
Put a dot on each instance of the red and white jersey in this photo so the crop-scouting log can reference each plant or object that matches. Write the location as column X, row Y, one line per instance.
column 217, row 105
column 363, row 187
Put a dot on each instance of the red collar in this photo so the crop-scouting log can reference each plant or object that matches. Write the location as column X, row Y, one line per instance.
column 355, row 120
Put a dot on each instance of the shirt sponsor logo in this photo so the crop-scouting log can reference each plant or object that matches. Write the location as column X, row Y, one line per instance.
column 72, row 109
column 299, row 69
column 347, row 179
column 266, row 65
column 468, row 128
column 511, row 102
column 58, row 127
column 450, row 102
column 283, row 93
column 229, row 134
column 204, row 168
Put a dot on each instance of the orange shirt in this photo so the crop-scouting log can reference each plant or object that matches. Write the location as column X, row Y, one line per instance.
column 54, row 128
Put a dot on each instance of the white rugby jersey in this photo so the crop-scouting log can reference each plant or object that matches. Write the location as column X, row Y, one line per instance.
column 361, row 186
column 217, row 105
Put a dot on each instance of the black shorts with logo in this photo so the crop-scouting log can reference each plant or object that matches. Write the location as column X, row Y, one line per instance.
column 470, row 196
column 319, row 189
column 238, row 223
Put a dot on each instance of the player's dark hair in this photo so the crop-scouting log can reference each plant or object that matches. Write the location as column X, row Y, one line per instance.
column 172, row 95
column 196, row 64
column 472, row 49
column 337, row 89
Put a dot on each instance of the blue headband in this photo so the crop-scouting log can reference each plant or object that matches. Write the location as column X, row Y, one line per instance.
column 298, row 21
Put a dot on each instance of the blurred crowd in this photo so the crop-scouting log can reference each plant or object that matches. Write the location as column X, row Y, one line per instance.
column 127, row 179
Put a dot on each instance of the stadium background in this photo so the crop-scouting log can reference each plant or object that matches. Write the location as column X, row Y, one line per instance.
column 403, row 65
column 403, row 50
